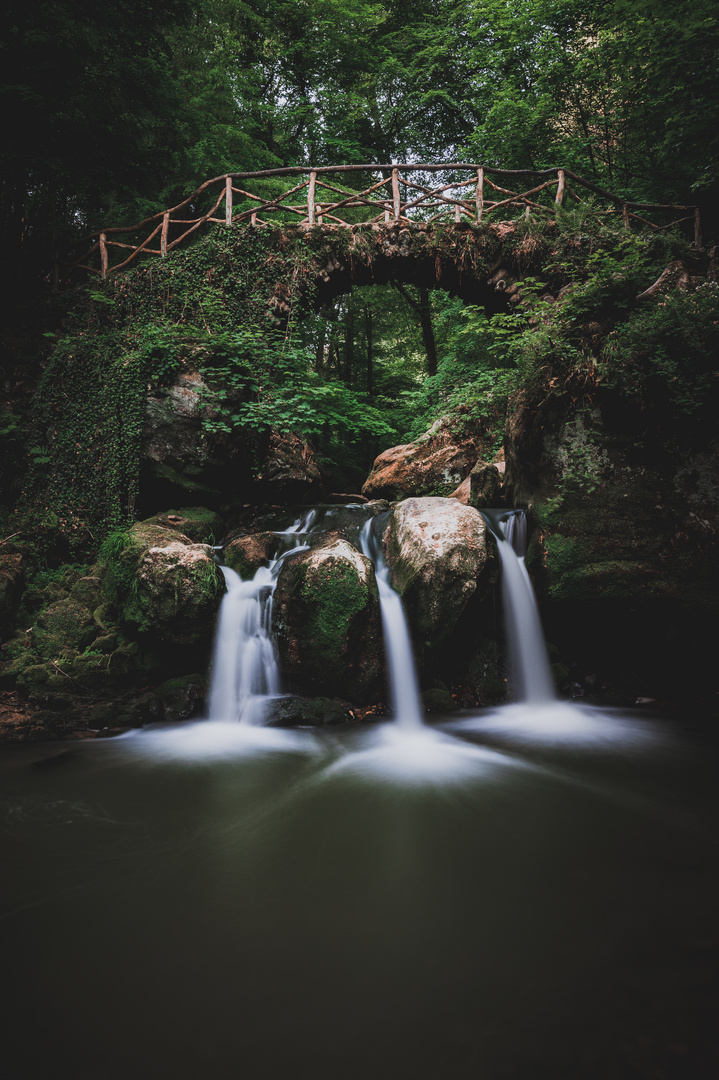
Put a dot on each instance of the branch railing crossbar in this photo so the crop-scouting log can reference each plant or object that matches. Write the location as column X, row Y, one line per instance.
column 383, row 199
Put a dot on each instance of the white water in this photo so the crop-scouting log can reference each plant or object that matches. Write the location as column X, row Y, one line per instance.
column 245, row 673
column 527, row 652
column 244, row 670
column 404, row 685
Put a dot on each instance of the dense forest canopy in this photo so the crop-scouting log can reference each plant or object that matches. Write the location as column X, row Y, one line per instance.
column 110, row 111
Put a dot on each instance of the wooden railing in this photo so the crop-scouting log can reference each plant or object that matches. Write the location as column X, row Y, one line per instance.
column 392, row 199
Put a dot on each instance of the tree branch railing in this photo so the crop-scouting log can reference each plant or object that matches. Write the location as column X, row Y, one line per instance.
column 394, row 199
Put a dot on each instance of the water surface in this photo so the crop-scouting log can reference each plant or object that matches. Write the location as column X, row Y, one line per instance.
column 490, row 899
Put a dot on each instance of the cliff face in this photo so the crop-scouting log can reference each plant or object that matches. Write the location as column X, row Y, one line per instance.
column 625, row 537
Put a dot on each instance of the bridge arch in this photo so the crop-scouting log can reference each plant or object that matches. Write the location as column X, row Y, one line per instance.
column 482, row 265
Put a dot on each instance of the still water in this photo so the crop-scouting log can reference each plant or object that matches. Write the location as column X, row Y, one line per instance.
column 517, row 894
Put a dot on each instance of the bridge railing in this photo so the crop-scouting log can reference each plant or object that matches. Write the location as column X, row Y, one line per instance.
column 450, row 192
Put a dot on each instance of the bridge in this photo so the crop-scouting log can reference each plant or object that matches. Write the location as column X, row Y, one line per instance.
column 404, row 194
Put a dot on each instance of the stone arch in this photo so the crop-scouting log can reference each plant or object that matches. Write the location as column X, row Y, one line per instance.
column 481, row 265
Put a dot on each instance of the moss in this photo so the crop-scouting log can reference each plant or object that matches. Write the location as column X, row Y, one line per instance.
column 333, row 600
column 65, row 624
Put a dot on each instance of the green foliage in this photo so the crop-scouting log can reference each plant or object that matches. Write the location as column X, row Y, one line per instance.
column 668, row 350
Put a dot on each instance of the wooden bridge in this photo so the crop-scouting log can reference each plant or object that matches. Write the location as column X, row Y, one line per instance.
column 405, row 195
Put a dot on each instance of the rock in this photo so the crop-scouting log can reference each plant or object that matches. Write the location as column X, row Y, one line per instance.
column 288, row 471
column 433, row 465
column 327, row 621
column 481, row 488
column 625, row 536
column 66, row 624
column 165, row 584
column 439, row 701
column 247, row 554
column 88, row 592
column 295, row 711
column 182, row 697
column 177, row 452
column 182, row 454
column 437, row 550
column 197, row 523
column 12, row 580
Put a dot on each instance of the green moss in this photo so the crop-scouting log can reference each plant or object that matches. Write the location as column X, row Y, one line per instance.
column 333, row 601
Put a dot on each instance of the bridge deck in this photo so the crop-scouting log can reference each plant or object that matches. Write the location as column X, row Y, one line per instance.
column 326, row 196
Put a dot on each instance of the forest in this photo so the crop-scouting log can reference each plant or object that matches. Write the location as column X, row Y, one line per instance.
column 359, row 539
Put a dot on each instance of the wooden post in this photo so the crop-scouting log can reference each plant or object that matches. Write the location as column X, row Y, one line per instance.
column 253, row 219
column 318, row 213
column 526, row 210
column 480, row 194
column 228, row 200
column 311, row 198
column 163, row 234
column 625, row 215
column 697, row 227
column 560, row 188
column 103, row 254
column 387, row 216
column 457, row 213
column 395, row 193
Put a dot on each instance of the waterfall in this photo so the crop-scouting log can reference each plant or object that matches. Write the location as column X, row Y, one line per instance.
column 404, row 685
column 245, row 673
column 527, row 653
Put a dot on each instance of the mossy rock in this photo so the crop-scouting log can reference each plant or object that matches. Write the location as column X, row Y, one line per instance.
column 64, row 624
column 436, row 700
column 182, row 697
column 197, row 523
column 296, row 711
column 12, row 581
column 163, row 584
column 246, row 554
column 88, row 592
column 327, row 620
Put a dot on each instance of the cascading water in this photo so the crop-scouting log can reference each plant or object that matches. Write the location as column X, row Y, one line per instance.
column 245, row 674
column 404, row 685
column 528, row 655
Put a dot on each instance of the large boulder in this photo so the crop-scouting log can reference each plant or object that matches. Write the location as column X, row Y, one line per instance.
column 327, row 620
column 166, row 585
column 187, row 449
column 437, row 551
column 625, row 538
column 482, row 487
column 432, row 465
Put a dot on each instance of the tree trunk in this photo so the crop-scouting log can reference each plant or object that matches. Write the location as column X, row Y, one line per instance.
column 349, row 341
column 425, row 318
column 368, row 333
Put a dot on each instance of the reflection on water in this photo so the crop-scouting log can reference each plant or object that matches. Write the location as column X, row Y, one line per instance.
column 477, row 901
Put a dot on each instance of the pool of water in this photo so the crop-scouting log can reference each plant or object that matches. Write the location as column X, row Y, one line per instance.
column 506, row 895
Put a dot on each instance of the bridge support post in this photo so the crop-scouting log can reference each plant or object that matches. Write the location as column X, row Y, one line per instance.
column 395, row 193
column 103, row 255
column 311, row 198
column 228, row 200
column 163, row 234
column 560, row 187
column 479, row 198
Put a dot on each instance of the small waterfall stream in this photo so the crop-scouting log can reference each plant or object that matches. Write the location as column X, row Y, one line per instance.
column 529, row 662
column 245, row 673
column 404, row 685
